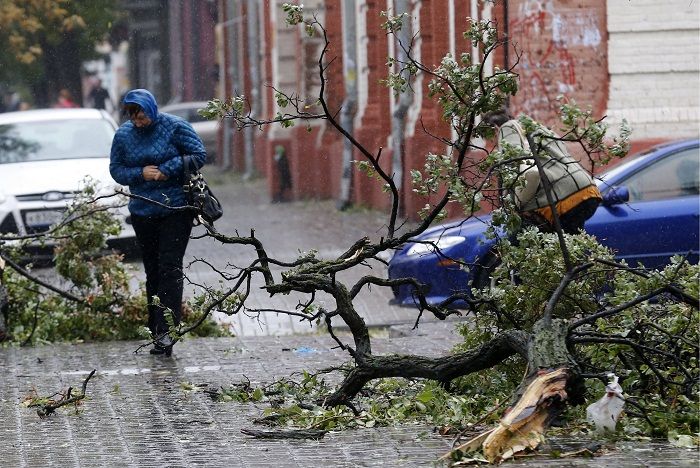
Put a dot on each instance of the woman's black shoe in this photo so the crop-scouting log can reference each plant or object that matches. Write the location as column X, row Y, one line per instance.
column 164, row 345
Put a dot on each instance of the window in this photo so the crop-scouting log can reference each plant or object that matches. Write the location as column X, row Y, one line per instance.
column 677, row 175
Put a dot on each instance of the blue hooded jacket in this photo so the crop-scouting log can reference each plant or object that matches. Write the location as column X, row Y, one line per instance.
column 161, row 144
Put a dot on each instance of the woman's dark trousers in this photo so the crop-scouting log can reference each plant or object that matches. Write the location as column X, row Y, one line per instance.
column 163, row 241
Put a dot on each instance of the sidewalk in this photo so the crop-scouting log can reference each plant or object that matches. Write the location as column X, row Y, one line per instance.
column 139, row 413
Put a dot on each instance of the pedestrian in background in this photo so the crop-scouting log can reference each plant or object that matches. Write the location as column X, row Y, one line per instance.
column 99, row 97
column 147, row 156
column 575, row 194
column 11, row 102
column 65, row 100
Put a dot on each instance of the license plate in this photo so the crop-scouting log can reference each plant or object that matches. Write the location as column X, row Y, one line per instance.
column 42, row 218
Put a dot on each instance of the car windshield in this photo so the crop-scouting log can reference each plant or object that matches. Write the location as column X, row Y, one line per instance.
column 55, row 139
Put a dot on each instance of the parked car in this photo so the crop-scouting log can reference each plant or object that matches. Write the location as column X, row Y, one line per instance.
column 650, row 211
column 206, row 129
column 45, row 156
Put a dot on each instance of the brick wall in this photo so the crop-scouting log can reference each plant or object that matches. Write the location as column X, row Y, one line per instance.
column 645, row 68
column 654, row 62
column 563, row 51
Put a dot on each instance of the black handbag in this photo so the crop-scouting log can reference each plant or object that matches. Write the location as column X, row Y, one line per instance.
column 199, row 195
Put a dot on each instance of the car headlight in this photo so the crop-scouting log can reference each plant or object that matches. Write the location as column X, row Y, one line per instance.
column 431, row 244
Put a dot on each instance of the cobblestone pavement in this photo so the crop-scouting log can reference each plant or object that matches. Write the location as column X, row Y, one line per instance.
column 138, row 413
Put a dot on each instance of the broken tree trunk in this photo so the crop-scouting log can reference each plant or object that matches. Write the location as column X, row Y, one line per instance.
column 539, row 399
column 442, row 369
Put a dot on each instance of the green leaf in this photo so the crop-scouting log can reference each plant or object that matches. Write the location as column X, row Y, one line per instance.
column 425, row 396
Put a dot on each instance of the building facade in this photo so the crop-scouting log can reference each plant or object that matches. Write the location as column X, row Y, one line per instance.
column 171, row 48
column 636, row 60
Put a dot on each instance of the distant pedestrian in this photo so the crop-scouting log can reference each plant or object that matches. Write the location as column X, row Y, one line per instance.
column 65, row 100
column 147, row 155
column 12, row 101
column 284, row 175
column 99, row 97
column 575, row 195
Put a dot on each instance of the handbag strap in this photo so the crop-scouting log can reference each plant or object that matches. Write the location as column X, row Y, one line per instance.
column 186, row 161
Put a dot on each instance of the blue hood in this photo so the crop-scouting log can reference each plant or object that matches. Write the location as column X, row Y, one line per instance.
column 145, row 99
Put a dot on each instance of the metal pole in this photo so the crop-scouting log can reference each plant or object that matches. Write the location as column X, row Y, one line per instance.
column 254, row 64
column 398, row 119
column 231, row 73
column 347, row 114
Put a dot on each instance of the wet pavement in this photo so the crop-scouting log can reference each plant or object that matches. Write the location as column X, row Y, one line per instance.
column 141, row 411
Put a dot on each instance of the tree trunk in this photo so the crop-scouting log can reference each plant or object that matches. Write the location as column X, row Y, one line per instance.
column 543, row 394
column 442, row 369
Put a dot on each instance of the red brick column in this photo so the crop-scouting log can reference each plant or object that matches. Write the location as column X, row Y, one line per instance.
column 375, row 126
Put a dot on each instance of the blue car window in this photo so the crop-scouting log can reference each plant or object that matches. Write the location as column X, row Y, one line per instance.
column 674, row 176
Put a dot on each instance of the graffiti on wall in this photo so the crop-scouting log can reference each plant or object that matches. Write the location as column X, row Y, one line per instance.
column 556, row 49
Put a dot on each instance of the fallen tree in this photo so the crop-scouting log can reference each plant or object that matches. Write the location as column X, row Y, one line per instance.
column 570, row 317
column 88, row 296
column 574, row 314
column 584, row 314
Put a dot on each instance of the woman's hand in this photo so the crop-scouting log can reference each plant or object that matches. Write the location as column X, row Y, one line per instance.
column 153, row 173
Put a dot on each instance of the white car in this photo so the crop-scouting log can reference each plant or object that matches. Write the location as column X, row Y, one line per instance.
column 208, row 130
column 45, row 157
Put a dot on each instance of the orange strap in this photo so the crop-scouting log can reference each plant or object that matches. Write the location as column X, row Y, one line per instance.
column 569, row 202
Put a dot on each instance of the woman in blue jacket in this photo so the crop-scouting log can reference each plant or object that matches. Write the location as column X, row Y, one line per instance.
column 147, row 157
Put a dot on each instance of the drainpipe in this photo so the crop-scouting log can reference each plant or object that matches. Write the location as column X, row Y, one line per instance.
column 398, row 119
column 220, row 34
column 232, row 33
column 254, row 63
column 347, row 114
column 506, row 36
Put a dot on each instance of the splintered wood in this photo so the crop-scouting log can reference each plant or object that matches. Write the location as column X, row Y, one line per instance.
column 524, row 424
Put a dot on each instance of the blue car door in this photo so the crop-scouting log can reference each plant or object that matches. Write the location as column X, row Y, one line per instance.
column 662, row 217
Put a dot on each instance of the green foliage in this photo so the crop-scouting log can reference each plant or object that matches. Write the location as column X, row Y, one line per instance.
column 581, row 125
column 539, row 266
column 40, row 33
column 464, row 92
column 393, row 24
column 440, row 172
column 28, row 25
column 295, row 13
column 665, row 380
column 661, row 376
column 367, row 168
column 218, row 109
column 295, row 16
column 384, row 402
column 109, row 311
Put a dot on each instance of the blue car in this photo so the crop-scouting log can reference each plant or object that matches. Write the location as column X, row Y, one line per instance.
column 650, row 211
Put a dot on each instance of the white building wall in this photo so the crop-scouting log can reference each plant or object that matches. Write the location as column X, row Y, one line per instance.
column 654, row 64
